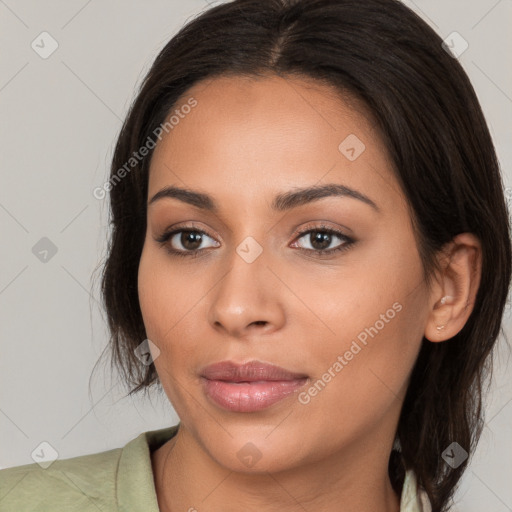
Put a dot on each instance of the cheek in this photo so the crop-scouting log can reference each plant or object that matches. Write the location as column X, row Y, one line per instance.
column 163, row 294
column 369, row 335
column 167, row 300
column 357, row 387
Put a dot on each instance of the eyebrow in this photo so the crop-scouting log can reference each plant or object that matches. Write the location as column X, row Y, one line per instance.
column 282, row 202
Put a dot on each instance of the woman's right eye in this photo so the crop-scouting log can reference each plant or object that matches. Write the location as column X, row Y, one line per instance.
column 190, row 241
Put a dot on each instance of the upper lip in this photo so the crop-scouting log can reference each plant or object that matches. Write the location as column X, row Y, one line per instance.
column 248, row 372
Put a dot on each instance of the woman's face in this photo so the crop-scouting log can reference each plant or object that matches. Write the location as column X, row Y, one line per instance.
column 350, row 321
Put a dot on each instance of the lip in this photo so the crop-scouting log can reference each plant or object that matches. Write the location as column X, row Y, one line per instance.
column 249, row 387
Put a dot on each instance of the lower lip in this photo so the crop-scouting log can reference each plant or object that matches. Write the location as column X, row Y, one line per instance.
column 250, row 396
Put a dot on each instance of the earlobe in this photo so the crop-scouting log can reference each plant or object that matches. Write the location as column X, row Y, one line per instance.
column 443, row 301
column 455, row 293
column 436, row 329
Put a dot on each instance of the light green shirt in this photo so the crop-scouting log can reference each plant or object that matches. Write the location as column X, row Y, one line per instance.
column 119, row 480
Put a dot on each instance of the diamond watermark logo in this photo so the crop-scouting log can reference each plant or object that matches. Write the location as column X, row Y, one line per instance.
column 45, row 454
column 249, row 455
column 455, row 45
column 249, row 249
column 352, row 147
column 454, row 455
column 44, row 250
column 44, row 45
column 147, row 352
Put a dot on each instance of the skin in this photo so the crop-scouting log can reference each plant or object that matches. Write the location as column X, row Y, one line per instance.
column 246, row 141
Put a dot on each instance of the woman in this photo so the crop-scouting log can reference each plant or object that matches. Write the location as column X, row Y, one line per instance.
column 311, row 255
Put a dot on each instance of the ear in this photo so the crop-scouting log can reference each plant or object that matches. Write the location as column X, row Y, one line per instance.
column 453, row 296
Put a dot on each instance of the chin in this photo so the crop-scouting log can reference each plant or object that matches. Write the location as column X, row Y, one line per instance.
column 257, row 454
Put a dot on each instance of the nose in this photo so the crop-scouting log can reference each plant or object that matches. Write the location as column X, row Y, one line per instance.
column 247, row 300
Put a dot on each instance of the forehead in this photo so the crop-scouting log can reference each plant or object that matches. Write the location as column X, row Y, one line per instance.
column 249, row 137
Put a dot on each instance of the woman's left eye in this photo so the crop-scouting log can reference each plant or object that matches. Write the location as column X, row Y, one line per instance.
column 319, row 239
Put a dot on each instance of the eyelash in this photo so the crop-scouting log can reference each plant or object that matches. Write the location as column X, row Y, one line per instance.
column 164, row 238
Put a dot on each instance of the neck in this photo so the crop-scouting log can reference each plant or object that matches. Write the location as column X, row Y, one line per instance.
column 356, row 479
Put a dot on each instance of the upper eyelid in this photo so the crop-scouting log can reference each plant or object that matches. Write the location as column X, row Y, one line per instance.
column 179, row 229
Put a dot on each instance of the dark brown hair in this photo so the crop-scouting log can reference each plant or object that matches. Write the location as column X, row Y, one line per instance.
column 428, row 115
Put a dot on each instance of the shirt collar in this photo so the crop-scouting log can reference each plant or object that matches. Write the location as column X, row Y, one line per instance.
column 413, row 499
column 135, row 485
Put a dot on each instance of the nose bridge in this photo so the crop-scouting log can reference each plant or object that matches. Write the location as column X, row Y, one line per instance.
column 246, row 293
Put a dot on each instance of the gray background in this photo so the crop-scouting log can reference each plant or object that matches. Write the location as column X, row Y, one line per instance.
column 60, row 117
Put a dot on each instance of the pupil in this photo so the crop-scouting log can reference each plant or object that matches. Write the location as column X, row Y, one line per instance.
column 324, row 239
column 190, row 237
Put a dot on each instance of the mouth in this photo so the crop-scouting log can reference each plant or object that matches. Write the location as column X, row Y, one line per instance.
column 249, row 387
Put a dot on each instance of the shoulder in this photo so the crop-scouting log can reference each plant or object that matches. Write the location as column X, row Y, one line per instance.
column 80, row 483
column 118, row 479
